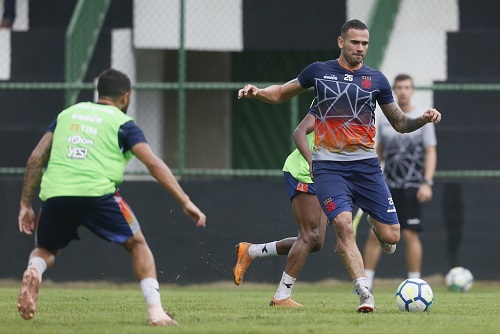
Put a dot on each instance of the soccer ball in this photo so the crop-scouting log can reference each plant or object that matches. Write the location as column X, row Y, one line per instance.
column 414, row 295
column 459, row 279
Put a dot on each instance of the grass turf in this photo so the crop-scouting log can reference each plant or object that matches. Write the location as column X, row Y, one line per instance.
column 225, row 308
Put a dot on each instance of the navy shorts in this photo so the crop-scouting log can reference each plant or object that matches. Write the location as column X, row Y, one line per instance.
column 295, row 187
column 409, row 208
column 341, row 184
column 109, row 217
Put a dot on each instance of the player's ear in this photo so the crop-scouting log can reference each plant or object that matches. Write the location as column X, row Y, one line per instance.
column 126, row 98
column 340, row 42
column 124, row 101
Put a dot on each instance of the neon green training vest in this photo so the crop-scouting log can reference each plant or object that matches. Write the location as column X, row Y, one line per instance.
column 296, row 165
column 85, row 159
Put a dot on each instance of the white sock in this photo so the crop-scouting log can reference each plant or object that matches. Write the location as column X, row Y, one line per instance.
column 285, row 288
column 414, row 274
column 151, row 291
column 370, row 274
column 38, row 263
column 262, row 250
column 360, row 285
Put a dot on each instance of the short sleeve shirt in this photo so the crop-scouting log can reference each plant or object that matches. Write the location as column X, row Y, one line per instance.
column 345, row 110
column 404, row 154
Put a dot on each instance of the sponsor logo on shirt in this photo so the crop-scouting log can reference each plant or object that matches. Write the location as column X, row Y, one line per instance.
column 91, row 119
column 77, row 152
column 74, row 127
column 90, row 130
column 330, row 77
column 76, row 139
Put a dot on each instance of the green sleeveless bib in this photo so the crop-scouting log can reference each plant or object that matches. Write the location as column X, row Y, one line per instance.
column 85, row 159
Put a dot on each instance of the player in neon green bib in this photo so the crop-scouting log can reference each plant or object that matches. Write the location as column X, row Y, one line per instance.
column 311, row 225
column 296, row 165
column 86, row 150
column 84, row 160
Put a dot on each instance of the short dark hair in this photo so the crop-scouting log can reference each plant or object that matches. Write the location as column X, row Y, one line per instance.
column 113, row 83
column 401, row 77
column 352, row 24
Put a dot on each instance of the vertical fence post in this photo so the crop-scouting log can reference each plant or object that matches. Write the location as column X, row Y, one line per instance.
column 80, row 41
column 381, row 24
column 181, row 156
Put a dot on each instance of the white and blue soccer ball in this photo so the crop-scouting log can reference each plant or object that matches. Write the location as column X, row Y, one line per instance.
column 414, row 295
column 459, row 279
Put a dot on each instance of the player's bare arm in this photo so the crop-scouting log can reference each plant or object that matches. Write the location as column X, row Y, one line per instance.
column 402, row 123
column 299, row 137
column 32, row 177
column 274, row 94
column 162, row 173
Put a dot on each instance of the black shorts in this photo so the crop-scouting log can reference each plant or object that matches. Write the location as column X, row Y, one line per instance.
column 108, row 216
column 409, row 209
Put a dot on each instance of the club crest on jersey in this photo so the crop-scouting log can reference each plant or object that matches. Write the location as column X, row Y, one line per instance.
column 366, row 82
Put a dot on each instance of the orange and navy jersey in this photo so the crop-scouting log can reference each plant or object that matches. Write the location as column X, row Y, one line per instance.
column 345, row 109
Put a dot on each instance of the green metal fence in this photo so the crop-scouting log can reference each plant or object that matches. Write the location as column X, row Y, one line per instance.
column 293, row 114
column 81, row 37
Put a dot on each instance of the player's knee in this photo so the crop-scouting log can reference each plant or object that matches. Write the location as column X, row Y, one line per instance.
column 309, row 238
column 391, row 235
column 317, row 241
column 136, row 241
column 343, row 227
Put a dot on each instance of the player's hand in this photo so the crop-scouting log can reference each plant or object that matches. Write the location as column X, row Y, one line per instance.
column 311, row 170
column 26, row 220
column 248, row 92
column 195, row 214
column 432, row 115
column 424, row 193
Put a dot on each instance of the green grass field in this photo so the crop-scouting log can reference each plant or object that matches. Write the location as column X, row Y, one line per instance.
column 225, row 308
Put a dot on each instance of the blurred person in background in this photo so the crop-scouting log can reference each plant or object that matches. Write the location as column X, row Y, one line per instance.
column 409, row 164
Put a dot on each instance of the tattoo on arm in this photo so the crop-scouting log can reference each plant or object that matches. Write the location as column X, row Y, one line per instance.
column 413, row 124
column 399, row 121
column 33, row 173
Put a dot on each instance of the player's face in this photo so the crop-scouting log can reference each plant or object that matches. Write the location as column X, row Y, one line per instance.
column 353, row 46
column 403, row 89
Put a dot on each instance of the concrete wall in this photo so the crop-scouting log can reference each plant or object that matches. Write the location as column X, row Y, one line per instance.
column 257, row 210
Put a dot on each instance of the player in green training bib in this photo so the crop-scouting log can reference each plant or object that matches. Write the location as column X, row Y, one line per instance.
column 311, row 225
column 86, row 149
column 84, row 160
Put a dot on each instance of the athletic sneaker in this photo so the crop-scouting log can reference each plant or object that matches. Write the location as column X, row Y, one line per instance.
column 244, row 261
column 164, row 320
column 366, row 302
column 387, row 248
column 284, row 303
column 26, row 303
